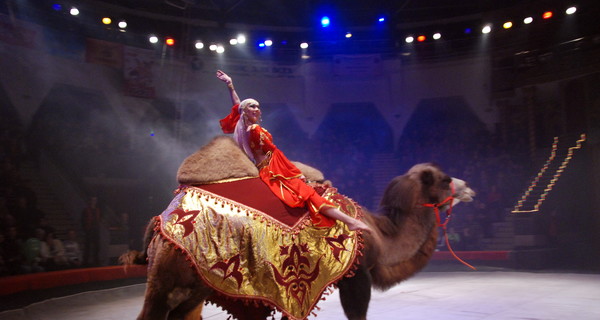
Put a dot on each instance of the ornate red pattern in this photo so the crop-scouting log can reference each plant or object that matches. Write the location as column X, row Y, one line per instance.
column 230, row 268
column 295, row 275
column 187, row 223
column 337, row 245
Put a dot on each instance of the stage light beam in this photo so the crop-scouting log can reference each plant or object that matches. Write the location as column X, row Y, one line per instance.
column 571, row 10
column 486, row 29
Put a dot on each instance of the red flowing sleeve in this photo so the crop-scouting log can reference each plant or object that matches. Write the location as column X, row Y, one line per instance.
column 228, row 123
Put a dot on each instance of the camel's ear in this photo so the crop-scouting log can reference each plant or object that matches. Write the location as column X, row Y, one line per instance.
column 427, row 178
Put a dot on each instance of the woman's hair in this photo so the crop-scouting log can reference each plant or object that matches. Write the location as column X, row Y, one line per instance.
column 241, row 135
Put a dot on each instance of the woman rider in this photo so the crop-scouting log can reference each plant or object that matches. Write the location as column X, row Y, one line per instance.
column 281, row 176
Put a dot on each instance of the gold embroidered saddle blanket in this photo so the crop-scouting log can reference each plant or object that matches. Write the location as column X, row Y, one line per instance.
column 248, row 247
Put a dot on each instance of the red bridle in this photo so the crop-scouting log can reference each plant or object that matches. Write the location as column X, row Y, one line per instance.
column 436, row 208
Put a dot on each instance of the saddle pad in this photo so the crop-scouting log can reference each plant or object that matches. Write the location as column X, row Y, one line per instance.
column 245, row 254
column 253, row 192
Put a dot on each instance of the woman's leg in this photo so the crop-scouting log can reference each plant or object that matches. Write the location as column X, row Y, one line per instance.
column 352, row 223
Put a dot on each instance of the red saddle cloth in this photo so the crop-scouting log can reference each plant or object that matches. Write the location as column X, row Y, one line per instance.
column 254, row 193
column 258, row 254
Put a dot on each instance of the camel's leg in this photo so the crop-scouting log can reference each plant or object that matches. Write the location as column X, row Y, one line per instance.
column 191, row 309
column 355, row 294
column 155, row 305
column 195, row 314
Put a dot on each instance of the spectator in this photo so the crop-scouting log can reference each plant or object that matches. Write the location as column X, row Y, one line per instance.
column 11, row 250
column 33, row 260
column 72, row 249
column 6, row 219
column 27, row 214
column 52, row 252
column 91, row 219
column 4, row 271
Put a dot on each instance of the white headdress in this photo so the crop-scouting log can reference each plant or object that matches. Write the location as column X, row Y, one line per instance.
column 241, row 134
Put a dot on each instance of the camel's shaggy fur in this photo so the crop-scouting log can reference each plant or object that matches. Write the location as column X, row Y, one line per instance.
column 403, row 239
column 227, row 161
column 220, row 159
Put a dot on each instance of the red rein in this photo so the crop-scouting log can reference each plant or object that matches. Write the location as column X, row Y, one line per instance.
column 436, row 208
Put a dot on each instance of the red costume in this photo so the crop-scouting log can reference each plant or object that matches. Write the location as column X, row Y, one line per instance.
column 280, row 174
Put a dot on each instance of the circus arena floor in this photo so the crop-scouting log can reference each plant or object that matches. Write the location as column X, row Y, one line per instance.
column 491, row 294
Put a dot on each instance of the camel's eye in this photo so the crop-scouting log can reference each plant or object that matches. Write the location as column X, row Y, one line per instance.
column 446, row 182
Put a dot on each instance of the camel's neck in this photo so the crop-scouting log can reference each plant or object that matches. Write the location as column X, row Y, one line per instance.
column 407, row 250
column 410, row 235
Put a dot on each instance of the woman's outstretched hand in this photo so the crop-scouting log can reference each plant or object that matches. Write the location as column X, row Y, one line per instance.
column 224, row 77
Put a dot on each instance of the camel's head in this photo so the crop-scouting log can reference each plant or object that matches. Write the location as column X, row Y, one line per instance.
column 425, row 183
column 462, row 191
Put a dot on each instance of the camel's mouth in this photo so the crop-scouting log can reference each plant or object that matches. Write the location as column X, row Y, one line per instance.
column 462, row 191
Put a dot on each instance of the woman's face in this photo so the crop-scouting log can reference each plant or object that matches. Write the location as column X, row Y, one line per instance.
column 252, row 113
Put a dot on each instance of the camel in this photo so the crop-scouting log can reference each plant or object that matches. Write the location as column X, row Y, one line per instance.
column 401, row 244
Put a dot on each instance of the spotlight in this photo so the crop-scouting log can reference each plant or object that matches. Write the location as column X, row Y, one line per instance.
column 468, row 31
column 381, row 19
column 409, row 39
column 56, row 7
column 153, row 39
column 528, row 20
column 571, row 10
column 106, row 20
column 241, row 39
column 486, row 29
column 348, row 34
column 170, row 41
column 233, row 42
column 122, row 24
column 507, row 25
column 421, row 38
column 304, row 45
column 74, row 11
column 268, row 43
column 437, row 36
column 213, row 47
column 220, row 49
column 547, row 15
column 199, row 45
column 325, row 22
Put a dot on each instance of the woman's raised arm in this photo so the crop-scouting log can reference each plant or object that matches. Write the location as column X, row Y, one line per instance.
column 227, row 79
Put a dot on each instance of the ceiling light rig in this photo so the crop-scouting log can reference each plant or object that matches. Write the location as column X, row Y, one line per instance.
column 325, row 21
column 487, row 28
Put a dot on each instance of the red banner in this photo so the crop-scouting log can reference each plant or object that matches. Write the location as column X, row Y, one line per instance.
column 138, row 72
column 104, row 53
